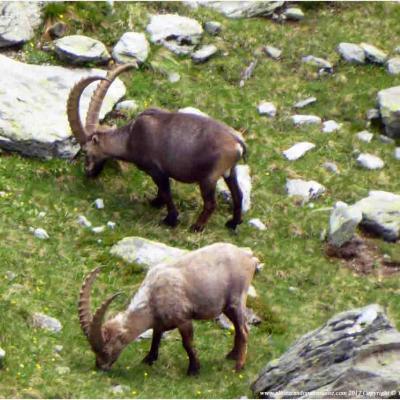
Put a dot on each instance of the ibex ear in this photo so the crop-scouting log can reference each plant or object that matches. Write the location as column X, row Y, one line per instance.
column 95, row 139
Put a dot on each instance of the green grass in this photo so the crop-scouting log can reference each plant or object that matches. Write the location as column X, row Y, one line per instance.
column 49, row 273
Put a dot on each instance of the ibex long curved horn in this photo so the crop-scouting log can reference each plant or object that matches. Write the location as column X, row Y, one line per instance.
column 92, row 116
column 74, row 118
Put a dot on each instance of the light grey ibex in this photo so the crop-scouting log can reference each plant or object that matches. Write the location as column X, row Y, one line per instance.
column 186, row 147
column 198, row 285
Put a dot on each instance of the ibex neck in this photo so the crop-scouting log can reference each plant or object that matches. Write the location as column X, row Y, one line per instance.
column 114, row 143
column 136, row 322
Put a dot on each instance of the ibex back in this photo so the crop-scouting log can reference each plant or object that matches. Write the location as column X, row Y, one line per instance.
column 186, row 147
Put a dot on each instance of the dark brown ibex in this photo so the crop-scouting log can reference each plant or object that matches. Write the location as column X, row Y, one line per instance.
column 198, row 285
column 186, row 147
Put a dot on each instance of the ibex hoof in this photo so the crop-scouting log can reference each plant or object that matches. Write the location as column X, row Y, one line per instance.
column 156, row 202
column 232, row 355
column 197, row 228
column 232, row 224
column 149, row 360
column 193, row 371
column 171, row 220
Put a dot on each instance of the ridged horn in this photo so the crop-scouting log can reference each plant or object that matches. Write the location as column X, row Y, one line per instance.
column 73, row 108
column 92, row 116
column 95, row 335
column 85, row 316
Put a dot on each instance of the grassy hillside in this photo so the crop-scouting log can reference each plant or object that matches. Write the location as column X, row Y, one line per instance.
column 299, row 288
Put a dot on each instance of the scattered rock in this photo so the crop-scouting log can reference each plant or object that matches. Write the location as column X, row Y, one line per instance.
column 251, row 317
column 389, row 107
column 306, row 119
column 305, row 102
column 2, row 357
column 43, row 321
column 252, row 292
column 247, row 72
column 42, row 214
column 204, row 53
column 266, row 108
column 373, row 54
column 331, row 167
column 365, row 136
column 58, row 348
column 244, row 181
column 307, row 190
column 40, row 233
column 83, row 221
column 393, row 66
column 18, row 21
column 116, row 389
column 34, row 120
column 61, row 370
column 381, row 214
column 127, row 106
column 257, row 223
column 298, row 150
column 10, row 275
column 178, row 34
column 243, row 9
column 318, row 62
column 131, row 47
column 99, row 204
column 373, row 113
column 174, row 77
column 57, row 30
column 79, row 49
column 294, row 14
column 352, row 53
column 343, row 223
column 98, row 229
column 356, row 351
column 213, row 27
column 192, row 110
column 144, row 252
column 385, row 139
column 330, row 126
column 111, row 224
column 370, row 161
column 397, row 153
column 272, row 52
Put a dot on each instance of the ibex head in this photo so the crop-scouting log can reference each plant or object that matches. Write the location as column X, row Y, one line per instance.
column 107, row 340
column 90, row 135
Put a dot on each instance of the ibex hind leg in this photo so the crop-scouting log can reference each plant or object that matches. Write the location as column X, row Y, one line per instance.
column 207, row 190
column 237, row 197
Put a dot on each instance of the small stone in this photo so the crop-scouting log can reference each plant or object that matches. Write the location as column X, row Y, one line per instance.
column 252, row 318
column 294, row 14
column 116, row 389
column 352, row 53
column 98, row 229
column 99, row 204
column 10, row 275
column 251, row 292
column 131, row 47
column 224, row 322
column 43, row 321
column 397, row 153
column 57, row 30
column 330, row 126
column 373, row 54
column 307, row 190
column 174, row 77
column 127, row 106
column 305, row 102
column 318, row 62
column 62, row 370
column 42, row 214
column 292, row 289
column 213, row 27
column 393, row 66
column 111, row 224
column 267, row 108
column 83, row 221
column 331, row 167
column 3, row 193
column 370, row 161
column 257, row 223
column 2, row 357
column 389, row 106
column 272, row 52
column 373, row 113
column 192, row 110
column 343, row 222
column 204, row 53
column 298, row 150
column 306, row 119
column 386, row 139
column 40, row 233
column 365, row 136
column 58, row 348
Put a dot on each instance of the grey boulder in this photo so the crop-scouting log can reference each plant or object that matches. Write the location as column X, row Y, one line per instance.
column 370, row 161
column 204, row 53
column 393, row 66
column 306, row 190
column 298, row 150
column 389, row 107
column 373, row 54
column 18, row 21
column 79, row 49
column 132, row 46
column 294, row 14
column 43, row 321
column 33, row 117
column 213, row 27
column 352, row 53
column 355, row 352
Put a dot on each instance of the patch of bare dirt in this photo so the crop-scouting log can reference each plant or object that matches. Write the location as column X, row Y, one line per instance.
column 363, row 256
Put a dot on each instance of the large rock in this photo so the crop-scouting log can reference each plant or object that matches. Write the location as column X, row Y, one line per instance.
column 243, row 9
column 132, row 46
column 355, row 352
column 369, row 161
column 306, row 190
column 373, row 54
column 33, row 116
column 144, row 252
column 393, row 66
column 389, row 107
column 381, row 214
column 298, row 150
column 352, row 53
column 178, row 34
column 18, row 20
column 343, row 223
